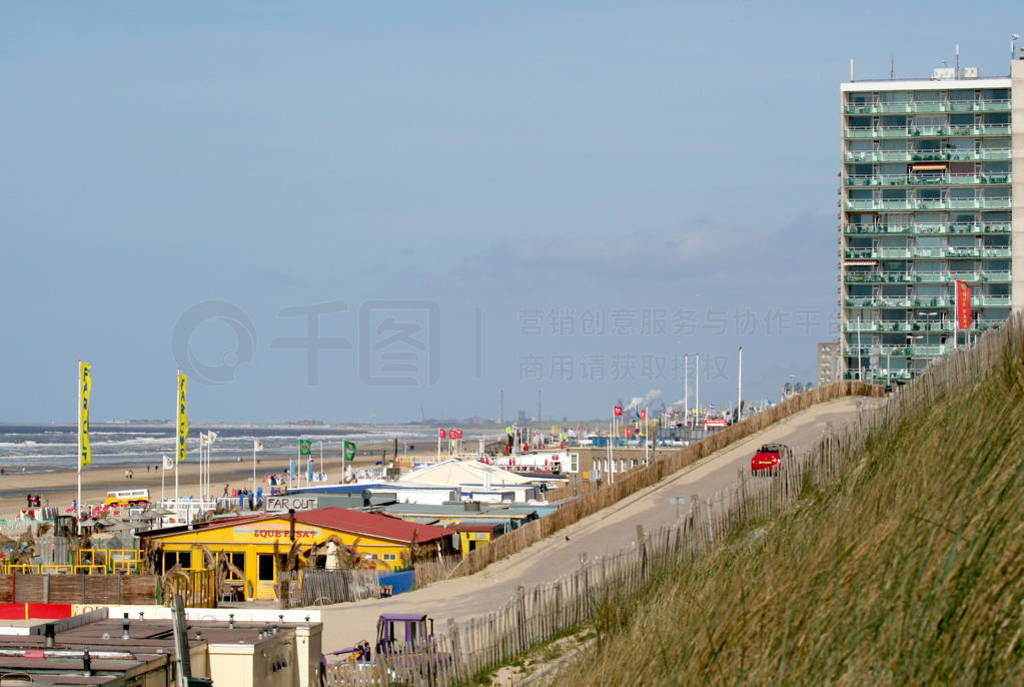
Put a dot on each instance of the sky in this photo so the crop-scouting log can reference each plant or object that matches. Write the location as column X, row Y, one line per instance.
column 360, row 212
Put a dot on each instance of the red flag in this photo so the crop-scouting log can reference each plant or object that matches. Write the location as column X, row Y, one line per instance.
column 617, row 410
column 643, row 414
column 441, row 434
column 455, row 433
column 964, row 316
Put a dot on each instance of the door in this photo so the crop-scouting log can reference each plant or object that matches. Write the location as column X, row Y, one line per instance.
column 266, row 576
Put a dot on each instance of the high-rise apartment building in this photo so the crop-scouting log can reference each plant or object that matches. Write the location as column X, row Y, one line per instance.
column 929, row 197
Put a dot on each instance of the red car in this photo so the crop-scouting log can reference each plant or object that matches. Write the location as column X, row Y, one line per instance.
column 769, row 458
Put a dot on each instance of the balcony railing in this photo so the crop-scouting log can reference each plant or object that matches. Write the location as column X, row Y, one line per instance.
column 897, row 350
column 938, row 277
column 922, row 301
column 884, row 326
column 899, row 375
column 872, row 204
column 952, row 228
column 925, row 179
column 985, row 154
column 925, row 107
column 930, row 131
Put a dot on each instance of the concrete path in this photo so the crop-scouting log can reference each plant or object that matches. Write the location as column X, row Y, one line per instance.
column 605, row 532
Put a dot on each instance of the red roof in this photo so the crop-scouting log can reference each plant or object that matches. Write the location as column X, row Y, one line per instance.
column 370, row 524
column 336, row 518
column 477, row 526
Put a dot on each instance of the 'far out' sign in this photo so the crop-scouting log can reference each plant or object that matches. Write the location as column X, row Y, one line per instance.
column 279, row 504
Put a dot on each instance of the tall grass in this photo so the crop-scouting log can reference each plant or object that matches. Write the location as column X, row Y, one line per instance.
column 899, row 559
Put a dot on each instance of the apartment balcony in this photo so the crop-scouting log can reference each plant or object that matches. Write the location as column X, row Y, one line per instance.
column 925, row 108
column 900, row 375
column 976, row 277
column 897, row 350
column 985, row 154
column 862, row 180
column 872, row 205
column 922, row 302
column 926, row 229
column 990, row 301
column 898, row 326
column 854, row 132
column 898, row 253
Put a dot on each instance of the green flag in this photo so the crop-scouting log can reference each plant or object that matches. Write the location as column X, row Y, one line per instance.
column 305, row 447
column 350, row 451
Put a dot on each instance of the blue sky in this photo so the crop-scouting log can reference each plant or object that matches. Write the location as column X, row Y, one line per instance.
column 602, row 187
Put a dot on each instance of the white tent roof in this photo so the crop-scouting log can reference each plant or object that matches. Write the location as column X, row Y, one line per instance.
column 456, row 472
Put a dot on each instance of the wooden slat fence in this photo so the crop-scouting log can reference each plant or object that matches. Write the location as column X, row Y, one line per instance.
column 335, row 586
column 599, row 585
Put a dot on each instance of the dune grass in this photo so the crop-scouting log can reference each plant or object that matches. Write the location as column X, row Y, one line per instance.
column 906, row 569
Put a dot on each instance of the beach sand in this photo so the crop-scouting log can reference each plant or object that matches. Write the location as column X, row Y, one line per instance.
column 59, row 488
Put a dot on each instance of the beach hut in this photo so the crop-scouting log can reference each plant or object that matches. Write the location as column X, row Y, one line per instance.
column 257, row 553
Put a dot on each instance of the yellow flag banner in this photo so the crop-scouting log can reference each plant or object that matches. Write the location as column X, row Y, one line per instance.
column 182, row 416
column 84, row 387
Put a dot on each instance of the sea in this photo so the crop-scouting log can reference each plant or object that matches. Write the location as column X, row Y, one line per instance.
column 55, row 447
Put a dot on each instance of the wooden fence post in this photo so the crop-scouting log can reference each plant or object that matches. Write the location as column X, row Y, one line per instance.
column 521, row 619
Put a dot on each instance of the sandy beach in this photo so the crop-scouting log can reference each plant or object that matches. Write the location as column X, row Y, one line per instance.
column 59, row 488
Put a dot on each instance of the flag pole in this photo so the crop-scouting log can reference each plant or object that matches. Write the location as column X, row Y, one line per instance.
column 647, row 436
column 254, row 468
column 686, row 394
column 739, row 391
column 697, row 419
column 163, row 471
column 78, row 418
column 177, row 440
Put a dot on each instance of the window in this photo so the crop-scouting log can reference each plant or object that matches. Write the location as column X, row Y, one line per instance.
column 995, row 94
column 389, row 557
column 266, row 566
column 183, row 559
column 1000, row 241
column 237, row 559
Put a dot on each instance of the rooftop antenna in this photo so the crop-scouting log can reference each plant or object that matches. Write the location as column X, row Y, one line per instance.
column 956, row 72
column 892, row 66
column 851, row 69
column 1013, row 45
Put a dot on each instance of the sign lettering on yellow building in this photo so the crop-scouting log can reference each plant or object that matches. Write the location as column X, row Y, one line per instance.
column 263, row 532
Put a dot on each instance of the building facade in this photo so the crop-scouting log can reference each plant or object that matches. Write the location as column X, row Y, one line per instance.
column 928, row 198
column 829, row 356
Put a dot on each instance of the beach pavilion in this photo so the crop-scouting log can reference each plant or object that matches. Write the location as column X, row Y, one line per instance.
column 255, row 552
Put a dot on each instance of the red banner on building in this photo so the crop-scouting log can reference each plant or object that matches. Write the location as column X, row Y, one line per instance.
column 964, row 316
column 617, row 410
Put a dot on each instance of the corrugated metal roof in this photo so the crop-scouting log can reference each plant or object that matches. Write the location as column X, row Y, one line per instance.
column 371, row 524
column 337, row 518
